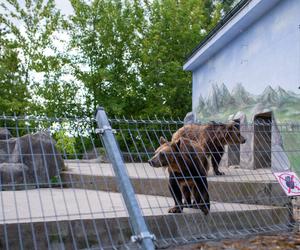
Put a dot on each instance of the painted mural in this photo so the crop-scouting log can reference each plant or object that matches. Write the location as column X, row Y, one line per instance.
column 220, row 103
column 254, row 71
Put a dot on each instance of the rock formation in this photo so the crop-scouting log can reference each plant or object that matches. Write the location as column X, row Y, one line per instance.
column 29, row 161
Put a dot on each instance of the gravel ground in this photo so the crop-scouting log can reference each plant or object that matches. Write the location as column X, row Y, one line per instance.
column 285, row 241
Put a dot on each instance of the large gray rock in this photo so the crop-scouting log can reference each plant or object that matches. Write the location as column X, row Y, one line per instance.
column 4, row 134
column 12, row 176
column 33, row 159
column 6, row 149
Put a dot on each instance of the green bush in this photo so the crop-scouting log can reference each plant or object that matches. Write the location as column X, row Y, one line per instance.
column 65, row 144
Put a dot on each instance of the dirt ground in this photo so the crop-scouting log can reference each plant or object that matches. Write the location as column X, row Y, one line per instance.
column 285, row 241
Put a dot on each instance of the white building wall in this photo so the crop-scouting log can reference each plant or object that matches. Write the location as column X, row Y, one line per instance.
column 266, row 53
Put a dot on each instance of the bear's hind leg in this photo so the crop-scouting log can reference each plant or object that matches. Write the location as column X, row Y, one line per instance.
column 215, row 161
column 201, row 196
column 176, row 194
column 186, row 190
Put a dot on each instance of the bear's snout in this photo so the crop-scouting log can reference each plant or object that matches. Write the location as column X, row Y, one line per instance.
column 153, row 163
column 150, row 162
column 243, row 140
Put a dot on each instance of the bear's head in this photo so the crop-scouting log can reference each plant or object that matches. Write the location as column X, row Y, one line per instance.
column 165, row 154
column 232, row 134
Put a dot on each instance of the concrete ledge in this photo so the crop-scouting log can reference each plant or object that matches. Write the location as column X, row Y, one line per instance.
column 112, row 233
column 47, row 204
column 86, row 212
column 220, row 189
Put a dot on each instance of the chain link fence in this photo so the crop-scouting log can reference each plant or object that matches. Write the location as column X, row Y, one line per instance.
column 82, row 183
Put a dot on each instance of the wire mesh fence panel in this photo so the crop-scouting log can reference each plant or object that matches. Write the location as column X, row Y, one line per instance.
column 59, row 189
column 193, row 190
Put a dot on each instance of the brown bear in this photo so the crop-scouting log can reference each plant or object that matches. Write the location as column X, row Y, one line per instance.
column 187, row 165
column 186, row 159
column 212, row 136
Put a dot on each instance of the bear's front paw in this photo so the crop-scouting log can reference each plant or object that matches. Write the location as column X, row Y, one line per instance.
column 175, row 210
column 220, row 173
column 205, row 210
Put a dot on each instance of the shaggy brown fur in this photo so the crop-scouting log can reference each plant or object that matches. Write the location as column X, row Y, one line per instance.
column 186, row 159
column 187, row 166
column 212, row 138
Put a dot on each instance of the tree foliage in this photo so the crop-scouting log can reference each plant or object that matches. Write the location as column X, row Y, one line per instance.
column 175, row 28
column 33, row 27
column 13, row 91
column 103, row 35
column 125, row 55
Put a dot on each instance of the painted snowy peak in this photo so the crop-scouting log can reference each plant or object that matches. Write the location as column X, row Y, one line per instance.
column 220, row 98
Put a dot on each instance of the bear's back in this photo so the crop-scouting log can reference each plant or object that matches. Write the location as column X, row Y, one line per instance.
column 197, row 132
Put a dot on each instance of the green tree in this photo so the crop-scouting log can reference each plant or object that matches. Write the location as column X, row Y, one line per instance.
column 130, row 53
column 176, row 27
column 32, row 27
column 13, row 91
column 126, row 55
column 59, row 98
column 103, row 34
column 227, row 5
column 36, row 28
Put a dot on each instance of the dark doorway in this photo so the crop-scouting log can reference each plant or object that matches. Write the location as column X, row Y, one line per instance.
column 234, row 150
column 262, row 140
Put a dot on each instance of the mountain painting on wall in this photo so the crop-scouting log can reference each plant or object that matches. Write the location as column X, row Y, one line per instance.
column 221, row 103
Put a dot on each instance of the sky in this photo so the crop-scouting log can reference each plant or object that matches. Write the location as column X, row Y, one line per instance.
column 64, row 6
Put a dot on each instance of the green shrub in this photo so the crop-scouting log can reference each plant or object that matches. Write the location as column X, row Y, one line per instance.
column 65, row 144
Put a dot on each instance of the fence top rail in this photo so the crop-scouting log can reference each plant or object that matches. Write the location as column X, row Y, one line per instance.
column 146, row 121
column 42, row 118
column 123, row 120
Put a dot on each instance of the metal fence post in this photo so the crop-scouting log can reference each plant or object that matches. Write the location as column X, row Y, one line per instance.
column 141, row 233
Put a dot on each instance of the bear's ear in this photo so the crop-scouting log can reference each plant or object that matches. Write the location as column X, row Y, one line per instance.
column 237, row 125
column 232, row 125
column 162, row 140
column 176, row 145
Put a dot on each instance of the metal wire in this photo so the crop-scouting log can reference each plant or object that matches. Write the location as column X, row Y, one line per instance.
column 59, row 190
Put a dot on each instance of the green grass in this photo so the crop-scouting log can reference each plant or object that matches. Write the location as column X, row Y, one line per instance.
column 291, row 142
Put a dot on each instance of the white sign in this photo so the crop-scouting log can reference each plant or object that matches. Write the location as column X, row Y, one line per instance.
column 289, row 181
